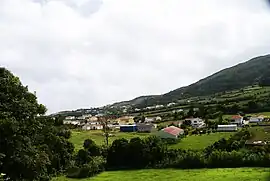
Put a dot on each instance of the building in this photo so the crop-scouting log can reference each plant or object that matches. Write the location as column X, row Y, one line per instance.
column 149, row 120
column 73, row 122
column 159, row 106
column 196, row 122
column 144, row 128
column 256, row 119
column 92, row 119
column 231, row 127
column 158, row 118
column 128, row 128
column 92, row 127
column 170, row 132
column 125, row 120
column 238, row 120
column 69, row 117
column 170, row 104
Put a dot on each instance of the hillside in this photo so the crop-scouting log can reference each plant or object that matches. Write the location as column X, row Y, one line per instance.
column 242, row 75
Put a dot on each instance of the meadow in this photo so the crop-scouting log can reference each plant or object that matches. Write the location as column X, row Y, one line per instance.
column 197, row 142
column 78, row 137
column 223, row 174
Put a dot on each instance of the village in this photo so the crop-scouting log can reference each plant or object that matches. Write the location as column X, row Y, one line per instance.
column 151, row 124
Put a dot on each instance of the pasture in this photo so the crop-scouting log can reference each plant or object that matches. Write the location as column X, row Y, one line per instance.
column 222, row 174
column 198, row 142
column 78, row 137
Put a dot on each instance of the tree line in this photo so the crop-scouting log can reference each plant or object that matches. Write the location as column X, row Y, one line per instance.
column 153, row 152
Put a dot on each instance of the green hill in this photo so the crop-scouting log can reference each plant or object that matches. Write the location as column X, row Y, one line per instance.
column 252, row 72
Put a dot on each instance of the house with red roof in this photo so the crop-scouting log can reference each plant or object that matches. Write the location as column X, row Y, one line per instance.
column 239, row 120
column 170, row 132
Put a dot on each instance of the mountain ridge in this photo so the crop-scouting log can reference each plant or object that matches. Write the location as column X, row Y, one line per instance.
column 234, row 77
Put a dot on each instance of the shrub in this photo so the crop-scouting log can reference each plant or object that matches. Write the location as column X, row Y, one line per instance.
column 95, row 166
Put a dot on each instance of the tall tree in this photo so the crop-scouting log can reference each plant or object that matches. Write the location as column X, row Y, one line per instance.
column 31, row 145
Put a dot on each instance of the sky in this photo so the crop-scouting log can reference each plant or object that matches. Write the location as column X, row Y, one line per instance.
column 88, row 53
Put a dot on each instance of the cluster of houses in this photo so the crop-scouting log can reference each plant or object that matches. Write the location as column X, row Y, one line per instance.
column 124, row 124
column 240, row 121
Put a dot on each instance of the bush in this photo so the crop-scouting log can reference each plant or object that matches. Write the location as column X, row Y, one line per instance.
column 95, row 166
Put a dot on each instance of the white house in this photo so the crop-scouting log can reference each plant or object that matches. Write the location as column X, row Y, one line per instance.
column 73, row 122
column 197, row 122
column 158, row 118
column 231, row 127
column 170, row 132
column 149, row 120
column 70, row 117
column 170, row 104
column 92, row 127
column 159, row 106
column 93, row 119
column 256, row 119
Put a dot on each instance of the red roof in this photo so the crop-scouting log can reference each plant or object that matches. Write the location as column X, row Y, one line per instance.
column 236, row 117
column 172, row 130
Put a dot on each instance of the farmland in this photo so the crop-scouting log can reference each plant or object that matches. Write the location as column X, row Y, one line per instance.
column 227, row 174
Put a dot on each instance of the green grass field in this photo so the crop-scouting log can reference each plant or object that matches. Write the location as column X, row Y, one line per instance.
column 78, row 137
column 194, row 142
column 197, row 142
column 227, row 174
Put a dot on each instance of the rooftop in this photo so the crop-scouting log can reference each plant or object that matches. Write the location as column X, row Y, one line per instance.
column 172, row 130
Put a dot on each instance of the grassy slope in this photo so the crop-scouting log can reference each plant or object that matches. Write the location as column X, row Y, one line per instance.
column 197, row 142
column 78, row 137
column 243, row 174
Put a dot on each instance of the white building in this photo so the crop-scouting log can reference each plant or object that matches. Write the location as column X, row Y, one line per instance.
column 231, row 127
column 149, row 120
column 158, row 118
column 159, row 106
column 70, row 117
column 92, row 127
column 197, row 122
column 256, row 119
column 170, row 104
column 93, row 119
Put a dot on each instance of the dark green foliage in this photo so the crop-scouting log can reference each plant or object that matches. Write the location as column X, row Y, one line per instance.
column 92, row 148
column 235, row 142
column 33, row 146
column 93, row 166
column 136, row 154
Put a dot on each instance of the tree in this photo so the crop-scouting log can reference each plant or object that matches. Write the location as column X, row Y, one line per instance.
column 252, row 105
column 190, row 112
column 33, row 146
column 104, row 121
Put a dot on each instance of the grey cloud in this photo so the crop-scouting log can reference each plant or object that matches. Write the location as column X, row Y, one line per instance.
column 83, row 53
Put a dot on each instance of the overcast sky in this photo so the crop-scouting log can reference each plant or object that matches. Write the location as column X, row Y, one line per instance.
column 87, row 53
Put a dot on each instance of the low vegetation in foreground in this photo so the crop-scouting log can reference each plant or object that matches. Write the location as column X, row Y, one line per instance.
column 226, row 174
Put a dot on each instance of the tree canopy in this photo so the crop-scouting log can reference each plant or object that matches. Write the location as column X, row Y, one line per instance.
column 32, row 145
